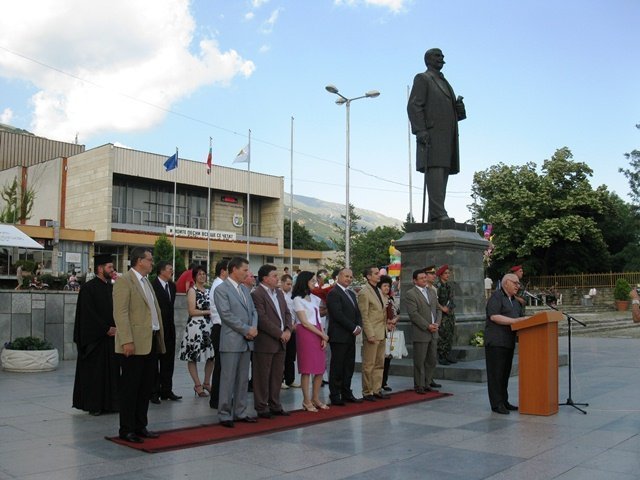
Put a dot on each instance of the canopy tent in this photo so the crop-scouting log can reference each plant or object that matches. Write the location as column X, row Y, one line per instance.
column 11, row 236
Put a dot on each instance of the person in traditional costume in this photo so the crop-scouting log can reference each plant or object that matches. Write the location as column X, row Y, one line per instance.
column 97, row 368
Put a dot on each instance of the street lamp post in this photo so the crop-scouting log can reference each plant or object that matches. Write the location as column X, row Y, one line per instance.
column 347, row 101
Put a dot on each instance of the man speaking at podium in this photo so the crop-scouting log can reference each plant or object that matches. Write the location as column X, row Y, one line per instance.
column 503, row 310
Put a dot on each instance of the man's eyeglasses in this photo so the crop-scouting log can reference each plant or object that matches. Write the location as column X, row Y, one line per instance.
column 515, row 283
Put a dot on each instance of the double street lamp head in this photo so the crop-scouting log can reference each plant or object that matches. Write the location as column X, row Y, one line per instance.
column 333, row 89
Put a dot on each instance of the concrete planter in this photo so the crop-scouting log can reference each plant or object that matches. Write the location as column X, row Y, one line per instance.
column 29, row 360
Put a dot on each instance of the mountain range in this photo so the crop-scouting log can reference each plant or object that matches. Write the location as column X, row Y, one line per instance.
column 319, row 216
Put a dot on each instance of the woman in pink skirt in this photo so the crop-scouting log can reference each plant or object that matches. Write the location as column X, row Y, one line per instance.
column 311, row 341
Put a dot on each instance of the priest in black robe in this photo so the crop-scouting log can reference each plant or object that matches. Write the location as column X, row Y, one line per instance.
column 97, row 368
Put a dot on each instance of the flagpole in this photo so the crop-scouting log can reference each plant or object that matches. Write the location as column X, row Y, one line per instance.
column 175, row 190
column 410, row 166
column 249, row 196
column 210, row 172
column 291, row 206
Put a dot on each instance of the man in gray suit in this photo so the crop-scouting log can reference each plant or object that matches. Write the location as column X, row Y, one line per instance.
column 239, row 327
column 434, row 113
column 422, row 307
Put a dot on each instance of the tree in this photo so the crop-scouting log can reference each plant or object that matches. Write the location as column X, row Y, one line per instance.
column 302, row 238
column 18, row 203
column 372, row 248
column 633, row 174
column 163, row 250
column 547, row 220
column 407, row 221
column 340, row 229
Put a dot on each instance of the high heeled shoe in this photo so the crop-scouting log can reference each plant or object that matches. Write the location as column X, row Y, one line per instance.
column 199, row 391
column 309, row 407
column 320, row 405
column 207, row 387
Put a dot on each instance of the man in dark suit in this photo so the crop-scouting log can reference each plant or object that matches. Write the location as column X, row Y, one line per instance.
column 239, row 328
column 434, row 113
column 165, row 291
column 503, row 310
column 139, row 340
column 422, row 307
column 274, row 328
column 345, row 324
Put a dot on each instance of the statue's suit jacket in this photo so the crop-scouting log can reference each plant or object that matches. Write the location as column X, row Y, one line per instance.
column 132, row 315
column 237, row 317
column 431, row 108
column 268, row 339
column 420, row 312
column 374, row 313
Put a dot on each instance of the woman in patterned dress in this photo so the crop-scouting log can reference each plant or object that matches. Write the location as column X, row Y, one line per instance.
column 196, row 345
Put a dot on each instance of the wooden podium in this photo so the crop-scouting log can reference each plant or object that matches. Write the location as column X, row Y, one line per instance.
column 538, row 363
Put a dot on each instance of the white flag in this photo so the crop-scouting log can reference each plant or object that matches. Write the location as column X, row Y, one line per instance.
column 243, row 155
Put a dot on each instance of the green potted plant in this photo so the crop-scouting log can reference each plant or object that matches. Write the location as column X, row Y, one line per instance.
column 621, row 294
column 29, row 354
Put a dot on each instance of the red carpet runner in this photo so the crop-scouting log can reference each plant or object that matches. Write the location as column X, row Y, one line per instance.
column 214, row 433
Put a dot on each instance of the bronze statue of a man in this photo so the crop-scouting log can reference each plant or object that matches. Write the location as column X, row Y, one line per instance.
column 434, row 113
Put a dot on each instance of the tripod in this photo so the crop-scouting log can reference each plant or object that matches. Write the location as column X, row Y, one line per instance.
column 570, row 319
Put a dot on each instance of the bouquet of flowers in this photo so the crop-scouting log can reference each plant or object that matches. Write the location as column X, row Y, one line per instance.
column 477, row 339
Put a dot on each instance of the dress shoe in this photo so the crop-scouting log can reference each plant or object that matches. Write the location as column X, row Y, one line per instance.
column 387, row 388
column 339, row 402
column 382, row 396
column 227, row 423
column 147, row 433
column 420, row 390
column 501, row 409
column 155, row 399
column 247, row 420
column 435, row 385
column 170, row 396
column 267, row 415
column 352, row 399
column 131, row 437
column 513, row 408
column 294, row 385
column 369, row 398
column 430, row 389
column 280, row 413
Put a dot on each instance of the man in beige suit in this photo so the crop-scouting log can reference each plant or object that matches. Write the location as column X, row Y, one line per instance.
column 139, row 340
column 421, row 302
column 374, row 323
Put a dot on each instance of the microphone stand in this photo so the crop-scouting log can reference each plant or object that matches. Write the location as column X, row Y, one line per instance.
column 570, row 318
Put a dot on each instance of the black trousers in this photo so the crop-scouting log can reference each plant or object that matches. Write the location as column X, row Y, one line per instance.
column 290, row 360
column 166, row 362
column 385, row 372
column 343, row 360
column 215, row 379
column 137, row 379
column 499, row 361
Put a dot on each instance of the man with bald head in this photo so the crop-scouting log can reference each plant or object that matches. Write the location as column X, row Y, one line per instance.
column 345, row 324
column 434, row 113
column 503, row 310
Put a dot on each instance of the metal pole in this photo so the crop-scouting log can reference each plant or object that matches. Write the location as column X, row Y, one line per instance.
column 249, row 196
column 347, row 229
column 291, row 207
column 209, row 212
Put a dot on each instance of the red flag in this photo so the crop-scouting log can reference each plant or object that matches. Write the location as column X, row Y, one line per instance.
column 209, row 161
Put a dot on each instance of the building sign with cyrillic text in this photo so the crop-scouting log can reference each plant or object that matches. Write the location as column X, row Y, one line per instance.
column 197, row 233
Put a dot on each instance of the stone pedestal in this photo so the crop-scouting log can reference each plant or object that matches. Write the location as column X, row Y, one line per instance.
column 455, row 244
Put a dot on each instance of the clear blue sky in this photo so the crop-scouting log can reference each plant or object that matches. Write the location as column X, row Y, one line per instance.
column 153, row 76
